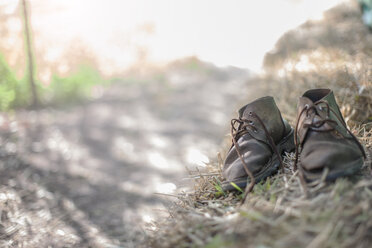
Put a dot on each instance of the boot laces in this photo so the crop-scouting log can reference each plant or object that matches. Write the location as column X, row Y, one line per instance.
column 237, row 132
column 316, row 107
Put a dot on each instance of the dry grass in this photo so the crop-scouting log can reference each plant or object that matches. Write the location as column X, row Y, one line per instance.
column 276, row 213
column 334, row 53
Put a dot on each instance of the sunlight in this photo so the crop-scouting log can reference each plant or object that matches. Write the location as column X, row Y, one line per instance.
column 195, row 156
column 311, row 61
column 158, row 160
column 114, row 121
column 164, row 30
column 304, row 64
column 166, row 188
column 9, row 6
column 147, row 218
column 164, row 162
column 158, row 141
column 60, row 232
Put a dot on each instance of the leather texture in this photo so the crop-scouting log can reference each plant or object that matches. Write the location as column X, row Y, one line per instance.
column 253, row 144
column 323, row 136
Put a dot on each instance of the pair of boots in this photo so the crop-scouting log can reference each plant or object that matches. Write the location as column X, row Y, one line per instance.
column 260, row 136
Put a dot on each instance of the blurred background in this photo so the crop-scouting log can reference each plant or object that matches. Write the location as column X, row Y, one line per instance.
column 106, row 105
column 121, row 34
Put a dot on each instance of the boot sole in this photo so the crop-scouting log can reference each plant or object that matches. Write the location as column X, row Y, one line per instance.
column 285, row 145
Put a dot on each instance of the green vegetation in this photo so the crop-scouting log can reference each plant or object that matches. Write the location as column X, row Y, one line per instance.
column 8, row 86
column 78, row 85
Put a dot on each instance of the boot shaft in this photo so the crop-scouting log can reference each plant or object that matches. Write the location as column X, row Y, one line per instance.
column 268, row 112
column 316, row 106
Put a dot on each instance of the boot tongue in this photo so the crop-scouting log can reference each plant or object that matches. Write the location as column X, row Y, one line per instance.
column 315, row 95
column 308, row 99
column 266, row 109
column 329, row 97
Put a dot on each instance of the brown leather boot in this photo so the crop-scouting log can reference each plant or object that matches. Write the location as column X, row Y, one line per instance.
column 324, row 139
column 259, row 137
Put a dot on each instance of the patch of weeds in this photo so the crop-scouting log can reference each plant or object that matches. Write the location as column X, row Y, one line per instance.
column 217, row 185
column 240, row 192
column 236, row 187
column 16, row 93
column 262, row 188
column 76, row 86
column 9, row 87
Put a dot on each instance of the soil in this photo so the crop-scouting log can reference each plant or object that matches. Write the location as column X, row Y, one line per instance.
column 88, row 174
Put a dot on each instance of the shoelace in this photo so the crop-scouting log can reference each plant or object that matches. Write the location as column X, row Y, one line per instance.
column 320, row 123
column 236, row 133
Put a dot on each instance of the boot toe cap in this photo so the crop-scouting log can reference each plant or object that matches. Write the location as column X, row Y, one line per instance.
column 340, row 158
column 255, row 154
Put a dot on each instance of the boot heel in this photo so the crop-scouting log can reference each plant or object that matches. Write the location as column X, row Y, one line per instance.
column 288, row 144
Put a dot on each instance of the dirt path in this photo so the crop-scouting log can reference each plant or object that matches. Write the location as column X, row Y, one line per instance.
column 103, row 161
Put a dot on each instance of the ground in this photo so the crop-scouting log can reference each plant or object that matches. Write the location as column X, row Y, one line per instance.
column 85, row 176
column 335, row 53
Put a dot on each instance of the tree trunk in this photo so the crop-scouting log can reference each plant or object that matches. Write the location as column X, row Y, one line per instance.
column 30, row 59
